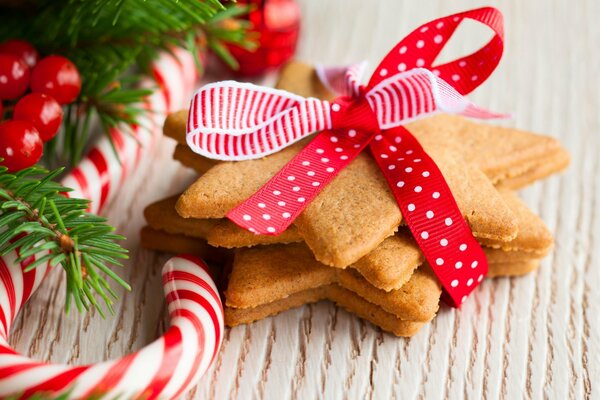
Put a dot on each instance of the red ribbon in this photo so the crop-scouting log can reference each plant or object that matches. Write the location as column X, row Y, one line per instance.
column 233, row 121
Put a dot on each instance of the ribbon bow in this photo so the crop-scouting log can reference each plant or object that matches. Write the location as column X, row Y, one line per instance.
column 236, row 121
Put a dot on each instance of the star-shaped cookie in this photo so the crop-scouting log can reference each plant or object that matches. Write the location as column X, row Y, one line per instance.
column 387, row 267
column 357, row 210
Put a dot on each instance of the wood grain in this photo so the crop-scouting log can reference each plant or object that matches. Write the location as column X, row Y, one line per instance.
column 531, row 337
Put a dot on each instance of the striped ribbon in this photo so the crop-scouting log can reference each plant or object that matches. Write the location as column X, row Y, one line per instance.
column 235, row 121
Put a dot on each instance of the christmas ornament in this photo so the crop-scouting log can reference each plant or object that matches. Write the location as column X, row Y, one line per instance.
column 404, row 86
column 278, row 23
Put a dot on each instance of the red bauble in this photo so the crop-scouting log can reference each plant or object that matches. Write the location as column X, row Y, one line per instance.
column 278, row 23
column 43, row 111
column 21, row 49
column 14, row 76
column 58, row 77
column 20, row 145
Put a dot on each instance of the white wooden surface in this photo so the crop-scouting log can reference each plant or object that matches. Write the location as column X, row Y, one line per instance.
column 532, row 337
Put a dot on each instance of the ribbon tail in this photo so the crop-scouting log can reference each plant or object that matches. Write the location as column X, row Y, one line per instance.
column 474, row 111
column 448, row 99
column 422, row 47
column 272, row 209
column 431, row 213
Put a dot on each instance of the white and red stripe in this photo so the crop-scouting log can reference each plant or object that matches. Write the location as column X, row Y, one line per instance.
column 417, row 93
column 234, row 121
column 162, row 370
column 240, row 120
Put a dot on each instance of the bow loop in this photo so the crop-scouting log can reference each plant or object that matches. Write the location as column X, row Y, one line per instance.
column 238, row 121
column 423, row 45
column 406, row 96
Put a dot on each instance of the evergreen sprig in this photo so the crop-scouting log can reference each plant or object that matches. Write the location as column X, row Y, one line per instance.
column 113, row 43
column 38, row 219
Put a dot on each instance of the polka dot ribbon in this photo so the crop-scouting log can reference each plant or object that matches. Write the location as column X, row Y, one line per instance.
column 235, row 121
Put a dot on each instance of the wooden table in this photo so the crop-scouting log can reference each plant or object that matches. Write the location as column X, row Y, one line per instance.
column 536, row 336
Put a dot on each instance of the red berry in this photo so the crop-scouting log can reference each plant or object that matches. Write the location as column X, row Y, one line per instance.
column 14, row 77
column 57, row 77
column 21, row 49
column 20, row 145
column 43, row 111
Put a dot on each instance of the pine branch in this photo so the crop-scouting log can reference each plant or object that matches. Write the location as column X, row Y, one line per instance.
column 109, row 41
column 39, row 220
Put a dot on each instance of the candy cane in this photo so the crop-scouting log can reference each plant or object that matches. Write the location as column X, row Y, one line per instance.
column 173, row 363
column 164, row 369
column 102, row 172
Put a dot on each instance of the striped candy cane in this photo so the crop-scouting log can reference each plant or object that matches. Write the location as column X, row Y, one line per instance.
column 173, row 363
column 162, row 370
column 102, row 172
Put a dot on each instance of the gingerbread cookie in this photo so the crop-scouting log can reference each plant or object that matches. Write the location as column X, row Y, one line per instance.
column 154, row 239
column 501, row 263
column 161, row 215
column 356, row 211
column 340, row 296
column 503, row 154
column 515, row 268
column 188, row 158
column 175, row 126
column 538, row 170
column 227, row 234
column 389, row 265
column 265, row 275
column 533, row 237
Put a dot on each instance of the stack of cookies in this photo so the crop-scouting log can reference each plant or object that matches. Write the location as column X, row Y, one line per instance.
column 350, row 245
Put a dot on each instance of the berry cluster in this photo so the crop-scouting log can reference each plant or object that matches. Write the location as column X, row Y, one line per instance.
column 53, row 82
